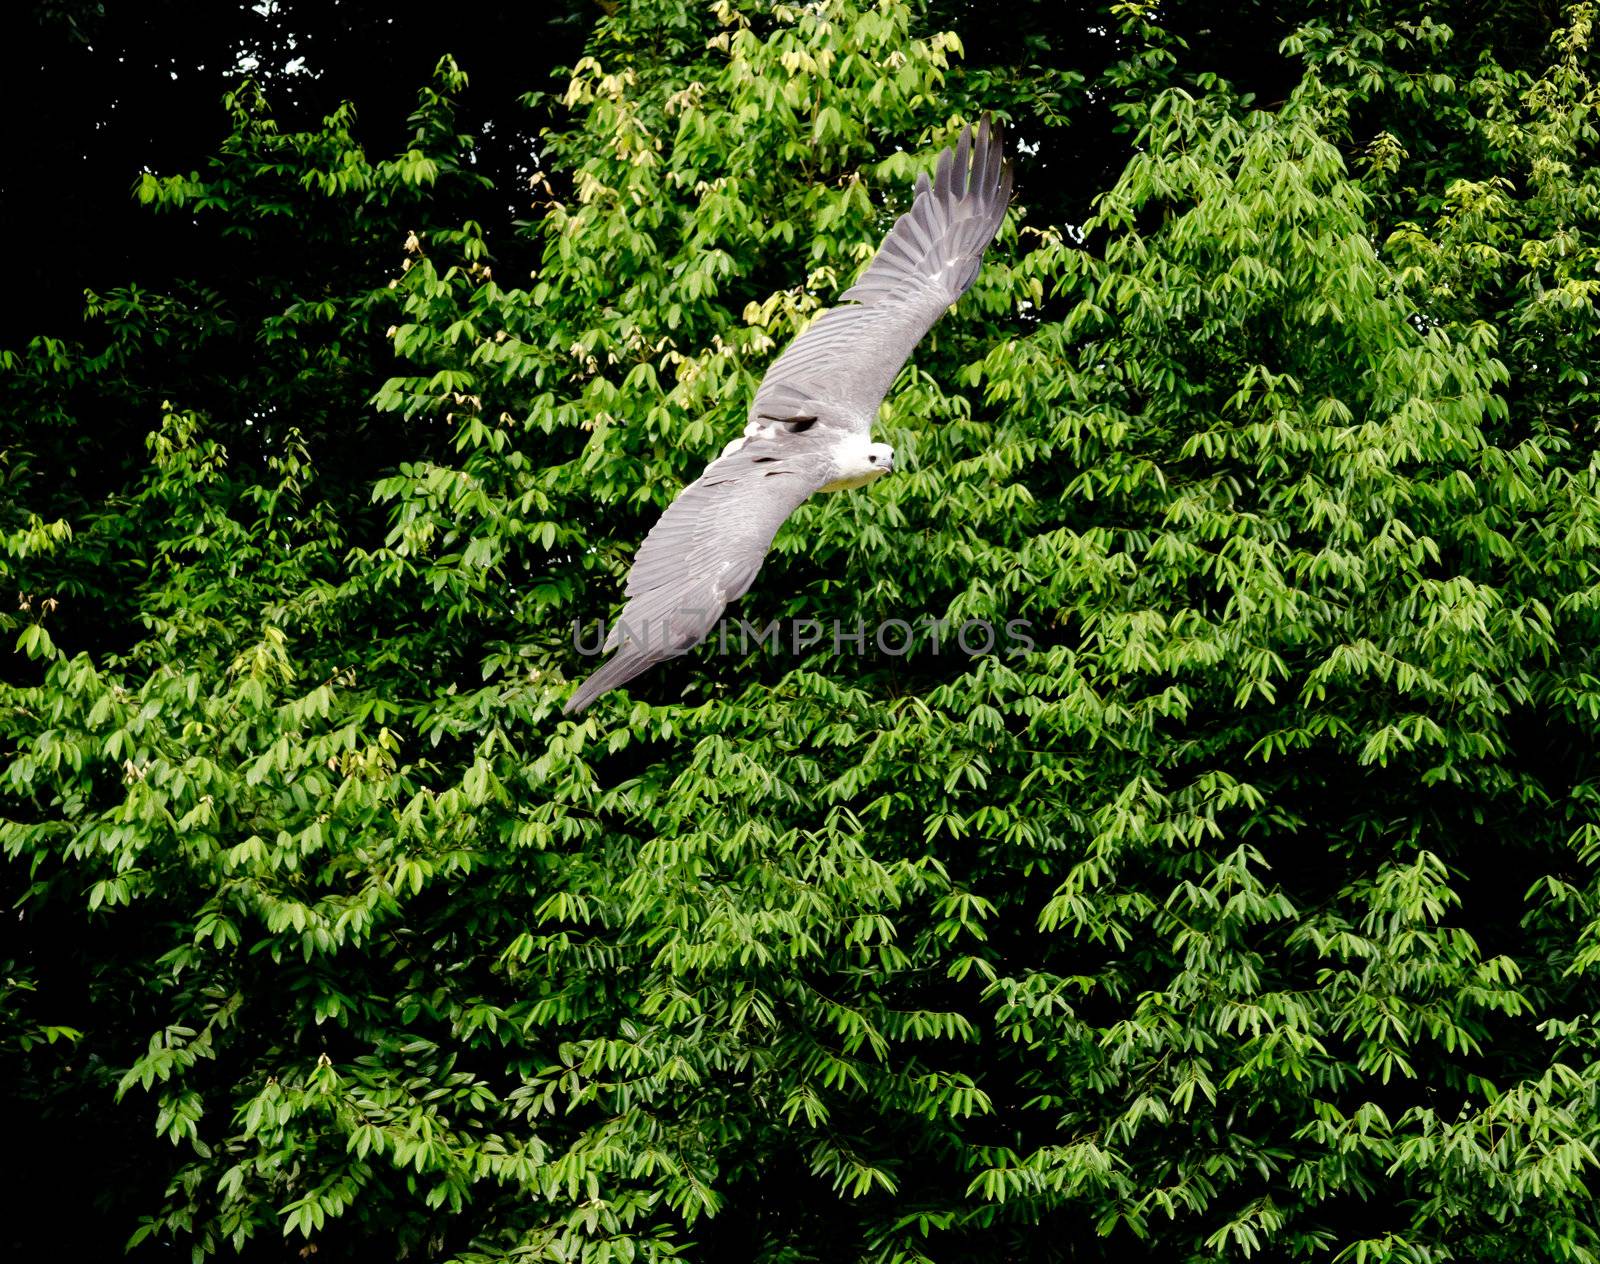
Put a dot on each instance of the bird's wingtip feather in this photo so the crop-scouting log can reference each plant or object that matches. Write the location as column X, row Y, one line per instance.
column 607, row 676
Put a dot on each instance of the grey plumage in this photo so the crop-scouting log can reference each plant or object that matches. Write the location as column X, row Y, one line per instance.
column 843, row 365
column 809, row 424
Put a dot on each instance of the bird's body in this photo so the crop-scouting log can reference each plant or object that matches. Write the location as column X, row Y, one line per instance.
column 809, row 427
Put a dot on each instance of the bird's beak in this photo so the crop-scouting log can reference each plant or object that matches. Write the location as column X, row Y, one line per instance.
column 888, row 465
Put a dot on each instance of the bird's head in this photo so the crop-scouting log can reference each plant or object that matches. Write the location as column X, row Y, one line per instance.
column 857, row 463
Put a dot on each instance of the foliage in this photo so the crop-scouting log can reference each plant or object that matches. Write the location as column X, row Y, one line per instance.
column 1253, row 913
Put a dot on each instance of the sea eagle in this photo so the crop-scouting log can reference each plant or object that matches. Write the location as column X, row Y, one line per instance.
column 810, row 425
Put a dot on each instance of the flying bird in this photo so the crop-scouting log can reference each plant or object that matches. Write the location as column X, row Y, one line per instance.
column 810, row 425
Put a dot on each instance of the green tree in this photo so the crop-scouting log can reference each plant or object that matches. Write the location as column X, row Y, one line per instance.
column 1251, row 914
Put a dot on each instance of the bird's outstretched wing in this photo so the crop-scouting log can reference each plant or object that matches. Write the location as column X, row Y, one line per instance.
column 703, row 553
column 842, row 366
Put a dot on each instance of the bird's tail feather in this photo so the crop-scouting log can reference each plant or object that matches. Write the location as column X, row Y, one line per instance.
column 617, row 671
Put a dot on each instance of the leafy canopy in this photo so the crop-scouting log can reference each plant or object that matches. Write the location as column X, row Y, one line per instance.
column 1252, row 914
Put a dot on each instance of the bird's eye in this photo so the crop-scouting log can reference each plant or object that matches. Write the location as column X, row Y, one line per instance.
column 873, row 458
